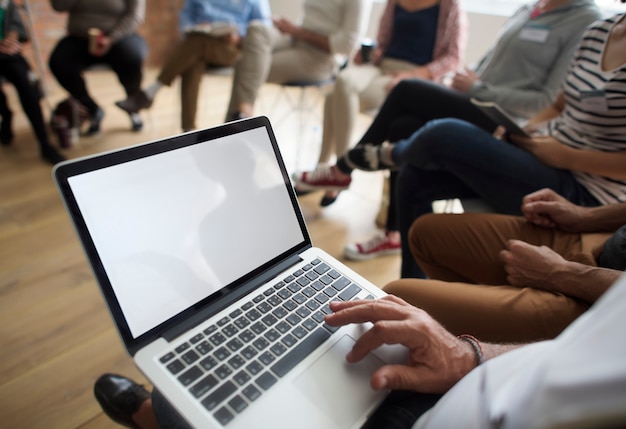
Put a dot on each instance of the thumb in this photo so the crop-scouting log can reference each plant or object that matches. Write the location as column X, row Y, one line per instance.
column 396, row 377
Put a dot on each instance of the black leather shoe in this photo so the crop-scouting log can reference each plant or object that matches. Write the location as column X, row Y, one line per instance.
column 300, row 192
column 120, row 398
column 96, row 120
column 135, row 102
column 50, row 155
column 326, row 201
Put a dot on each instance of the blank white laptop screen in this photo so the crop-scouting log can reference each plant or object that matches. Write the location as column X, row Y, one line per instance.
column 190, row 221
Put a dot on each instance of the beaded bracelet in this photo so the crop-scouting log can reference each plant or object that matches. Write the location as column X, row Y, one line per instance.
column 473, row 341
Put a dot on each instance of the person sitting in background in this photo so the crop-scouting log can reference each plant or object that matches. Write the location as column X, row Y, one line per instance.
column 520, row 73
column 577, row 146
column 515, row 279
column 213, row 31
column 113, row 41
column 287, row 52
column 417, row 39
column 15, row 69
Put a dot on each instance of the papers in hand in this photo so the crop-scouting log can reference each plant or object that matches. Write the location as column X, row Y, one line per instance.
column 499, row 116
column 214, row 29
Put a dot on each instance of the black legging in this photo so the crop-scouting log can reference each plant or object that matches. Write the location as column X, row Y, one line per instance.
column 71, row 57
column 410, row 105
column 16, row 70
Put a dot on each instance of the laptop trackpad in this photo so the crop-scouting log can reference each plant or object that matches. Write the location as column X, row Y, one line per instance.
column 344, row 402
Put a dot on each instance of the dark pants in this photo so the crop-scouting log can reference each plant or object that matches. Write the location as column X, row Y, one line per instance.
column 449, row 158
column 71, row 57
column 409, row 106
column 399, row 410
column 16, row 70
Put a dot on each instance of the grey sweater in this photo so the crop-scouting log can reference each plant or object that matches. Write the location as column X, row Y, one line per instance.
column 117, row 18
column 525, row 76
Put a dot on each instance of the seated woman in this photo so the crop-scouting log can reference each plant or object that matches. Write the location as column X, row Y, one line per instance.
column 578, row 149
column 15, row 69
column 522, row 75
column 417, row 39
column 117, row 45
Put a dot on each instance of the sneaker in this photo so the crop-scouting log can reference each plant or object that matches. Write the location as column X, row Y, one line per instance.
column 136, row 123
column 136, row 102
column 367, row 157
column 379, row 245
column 323, row 177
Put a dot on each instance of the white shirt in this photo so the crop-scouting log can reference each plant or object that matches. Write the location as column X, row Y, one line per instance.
column 575, row 380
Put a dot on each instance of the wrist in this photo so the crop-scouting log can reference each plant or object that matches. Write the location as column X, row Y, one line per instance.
column 475, row 346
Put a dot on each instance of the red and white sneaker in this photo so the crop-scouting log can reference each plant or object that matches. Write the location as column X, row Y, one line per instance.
column 379, row 245
column 324, row 177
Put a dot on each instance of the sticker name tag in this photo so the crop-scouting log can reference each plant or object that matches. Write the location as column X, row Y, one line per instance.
column 535, row 33
column 594, row 100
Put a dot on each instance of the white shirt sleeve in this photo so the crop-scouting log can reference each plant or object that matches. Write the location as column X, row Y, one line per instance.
column 578, row 379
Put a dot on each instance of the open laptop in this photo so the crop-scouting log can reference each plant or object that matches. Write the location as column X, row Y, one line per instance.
column 205, row 263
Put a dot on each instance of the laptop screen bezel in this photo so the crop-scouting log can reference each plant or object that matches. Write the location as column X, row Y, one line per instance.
column 243, row 285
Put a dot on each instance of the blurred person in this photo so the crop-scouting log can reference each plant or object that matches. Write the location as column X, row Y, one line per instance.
column 113, row 41
column 15, row 69
column 287, row 51
column 417, row 39
column 521, row 72
column 213, row 35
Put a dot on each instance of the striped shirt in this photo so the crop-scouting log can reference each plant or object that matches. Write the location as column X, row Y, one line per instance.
column 594, row 117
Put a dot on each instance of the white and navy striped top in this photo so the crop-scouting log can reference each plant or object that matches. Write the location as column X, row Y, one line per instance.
column 595, row 126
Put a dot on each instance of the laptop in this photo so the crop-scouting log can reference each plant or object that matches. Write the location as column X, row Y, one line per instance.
column 204, row 260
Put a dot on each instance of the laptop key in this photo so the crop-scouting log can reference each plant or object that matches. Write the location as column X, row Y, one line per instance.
column 223, row 416
column 299, row 352
column 203, row 386
column 266, row 380
column 189, row 376
column 251, row 392
column 241, row 377
column 175, row 366
column 238, row 404
column 349, row 292
column 219, row 395
column 208, row 363
column 190, row 357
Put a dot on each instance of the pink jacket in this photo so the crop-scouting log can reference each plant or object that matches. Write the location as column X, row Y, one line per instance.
column 450, row 41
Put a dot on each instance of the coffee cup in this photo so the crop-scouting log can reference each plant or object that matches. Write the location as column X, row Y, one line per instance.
column 367, row 47
column 95, row 39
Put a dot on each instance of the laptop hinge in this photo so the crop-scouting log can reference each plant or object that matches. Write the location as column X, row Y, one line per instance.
column 232, row 296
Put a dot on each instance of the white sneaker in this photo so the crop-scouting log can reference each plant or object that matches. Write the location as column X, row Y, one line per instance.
column 379, row 245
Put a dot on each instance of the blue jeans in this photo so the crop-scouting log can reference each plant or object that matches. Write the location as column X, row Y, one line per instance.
column 450, row 158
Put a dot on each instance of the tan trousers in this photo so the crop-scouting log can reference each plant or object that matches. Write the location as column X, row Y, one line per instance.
column 358, row 88
column 189, row 61
column 270, row 56
column 471, row 294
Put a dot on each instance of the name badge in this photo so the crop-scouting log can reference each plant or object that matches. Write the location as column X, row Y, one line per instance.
column 594, row 101
column 535, row 33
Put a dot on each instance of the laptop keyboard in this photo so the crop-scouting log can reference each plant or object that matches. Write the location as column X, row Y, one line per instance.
column 230, row 364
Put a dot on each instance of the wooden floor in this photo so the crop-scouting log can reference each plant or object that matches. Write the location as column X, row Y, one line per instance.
column 56, row 336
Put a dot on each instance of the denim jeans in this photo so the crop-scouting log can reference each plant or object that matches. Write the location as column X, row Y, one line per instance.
column 450, row 158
